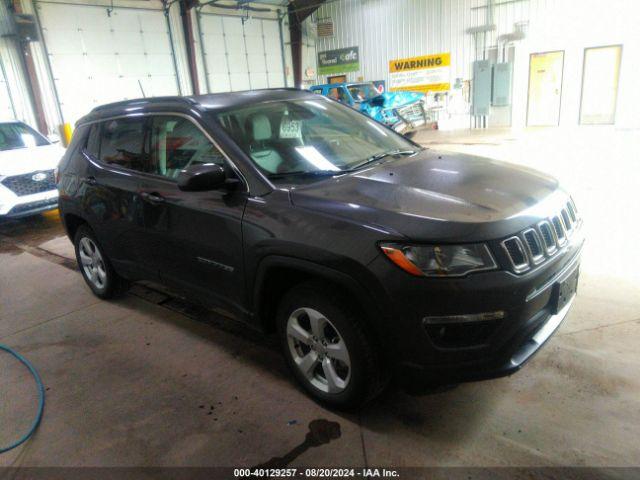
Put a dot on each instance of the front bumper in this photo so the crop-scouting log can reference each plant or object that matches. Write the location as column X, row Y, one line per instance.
column 14, row 206
column 527, row 300
column 407, row 122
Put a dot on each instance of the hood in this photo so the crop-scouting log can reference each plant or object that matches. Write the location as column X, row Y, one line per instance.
column 394, row 99
column 438, row 196
column 25, row 160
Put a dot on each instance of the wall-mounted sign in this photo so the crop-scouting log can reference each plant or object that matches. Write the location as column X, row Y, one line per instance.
column 380, row 85
column 338, row 61
column 325, row 27
column 420, row 74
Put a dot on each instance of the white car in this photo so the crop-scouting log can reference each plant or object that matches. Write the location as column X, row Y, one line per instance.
column 27, row 164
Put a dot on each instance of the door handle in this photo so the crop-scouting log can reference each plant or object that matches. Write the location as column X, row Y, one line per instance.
column 90, row 180
column 152, row 198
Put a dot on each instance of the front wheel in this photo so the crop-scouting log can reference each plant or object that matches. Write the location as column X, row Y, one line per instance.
column 95, row 266
column 411, row 134
column 327, row 346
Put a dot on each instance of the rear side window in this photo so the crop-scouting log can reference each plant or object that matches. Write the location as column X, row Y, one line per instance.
column 78, row 142
column 93, row 142
column 122, row 143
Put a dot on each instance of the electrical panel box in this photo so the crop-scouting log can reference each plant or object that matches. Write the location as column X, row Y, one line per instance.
column 481, row 87
column 501, row 93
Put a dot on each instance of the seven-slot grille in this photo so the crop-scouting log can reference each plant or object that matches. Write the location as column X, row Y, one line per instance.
column 26, row 184
column 534, row 245
column 412, row 112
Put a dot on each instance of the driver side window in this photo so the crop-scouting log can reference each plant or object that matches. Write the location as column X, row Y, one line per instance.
column 177, row 143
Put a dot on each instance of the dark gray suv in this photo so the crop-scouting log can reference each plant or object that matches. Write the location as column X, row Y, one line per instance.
column 370, row 256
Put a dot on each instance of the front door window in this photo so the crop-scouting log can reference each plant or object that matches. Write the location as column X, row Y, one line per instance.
column 177, row 143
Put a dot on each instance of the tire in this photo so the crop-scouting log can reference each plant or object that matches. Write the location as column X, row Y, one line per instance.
column 100, row 276
column 357, row 377
column 410, row 135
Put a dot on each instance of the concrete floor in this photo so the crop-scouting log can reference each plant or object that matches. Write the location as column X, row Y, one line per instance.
column 151, row 381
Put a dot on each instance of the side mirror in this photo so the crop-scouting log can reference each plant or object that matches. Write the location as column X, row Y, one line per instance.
column 198, row 178
column 53, row 138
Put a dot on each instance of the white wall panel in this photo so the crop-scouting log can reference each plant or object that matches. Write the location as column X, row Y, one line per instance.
column 98, row 58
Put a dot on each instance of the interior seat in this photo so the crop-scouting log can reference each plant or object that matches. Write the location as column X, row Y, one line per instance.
column 261, row 147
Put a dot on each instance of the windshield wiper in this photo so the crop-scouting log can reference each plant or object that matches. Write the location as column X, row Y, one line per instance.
column 297, row 173
column 380, row 156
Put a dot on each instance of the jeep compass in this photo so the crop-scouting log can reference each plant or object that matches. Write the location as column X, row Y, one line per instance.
column 369, row 256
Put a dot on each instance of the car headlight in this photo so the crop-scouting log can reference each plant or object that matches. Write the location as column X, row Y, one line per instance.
column 440, row 260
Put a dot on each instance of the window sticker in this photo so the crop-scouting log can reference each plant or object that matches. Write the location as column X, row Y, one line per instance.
column 290, row 128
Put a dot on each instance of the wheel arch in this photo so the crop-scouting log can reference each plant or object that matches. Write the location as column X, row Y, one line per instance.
column 71, row 224
column 277, row 274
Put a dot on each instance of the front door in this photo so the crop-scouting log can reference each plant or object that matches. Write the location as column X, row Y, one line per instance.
column 195, row 238
column 545, row 89
column 115, row 153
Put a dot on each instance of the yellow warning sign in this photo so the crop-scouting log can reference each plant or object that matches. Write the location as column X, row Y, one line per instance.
column 424, row 73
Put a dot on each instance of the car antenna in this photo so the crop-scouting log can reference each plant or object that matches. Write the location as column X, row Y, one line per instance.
column 141, row 89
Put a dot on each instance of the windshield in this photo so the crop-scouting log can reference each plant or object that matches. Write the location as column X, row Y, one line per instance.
column 363, row 91
column 309, row 136
column 18, row 135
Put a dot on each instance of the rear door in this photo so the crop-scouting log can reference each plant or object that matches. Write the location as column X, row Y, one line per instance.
column 116, row 152
column 194, row 239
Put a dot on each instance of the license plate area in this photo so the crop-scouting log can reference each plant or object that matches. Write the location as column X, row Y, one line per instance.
column 563, row 291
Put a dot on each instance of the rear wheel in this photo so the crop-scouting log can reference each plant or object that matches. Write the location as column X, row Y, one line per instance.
column 95, row 266
column 327, row 347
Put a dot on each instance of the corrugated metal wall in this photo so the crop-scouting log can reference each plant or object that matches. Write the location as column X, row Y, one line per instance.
column 390, row 29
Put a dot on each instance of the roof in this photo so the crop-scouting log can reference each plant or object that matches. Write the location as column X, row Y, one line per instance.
column 223, row 101
column 210, row 101
column 341, row 84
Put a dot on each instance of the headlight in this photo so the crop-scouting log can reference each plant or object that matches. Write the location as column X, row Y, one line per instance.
column 440, row 260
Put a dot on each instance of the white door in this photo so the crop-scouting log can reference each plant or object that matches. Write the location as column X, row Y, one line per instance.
column 241, row 55
column 99, row 56
column 6, row 105
column 600, row 85
column 545, row 89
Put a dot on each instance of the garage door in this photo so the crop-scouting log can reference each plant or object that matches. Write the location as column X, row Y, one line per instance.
column 99, row 55
column 241, row 55
column 6, row 106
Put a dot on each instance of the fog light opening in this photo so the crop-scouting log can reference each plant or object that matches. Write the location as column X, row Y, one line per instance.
column 462, row 331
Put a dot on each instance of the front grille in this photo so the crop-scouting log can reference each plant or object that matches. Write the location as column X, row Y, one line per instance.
column 547, row 236
column 572, row 212
column 515, row 250
column 412, row 112
column 534, row 244
column 25, row 184
column 568, row 224
column 559, row 229
column 543, row 240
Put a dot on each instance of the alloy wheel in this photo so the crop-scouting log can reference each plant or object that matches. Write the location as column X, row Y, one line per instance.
column 318, row 350
column 92, row 263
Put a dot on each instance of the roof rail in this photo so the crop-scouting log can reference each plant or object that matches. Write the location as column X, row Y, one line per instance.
column 144, row 101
